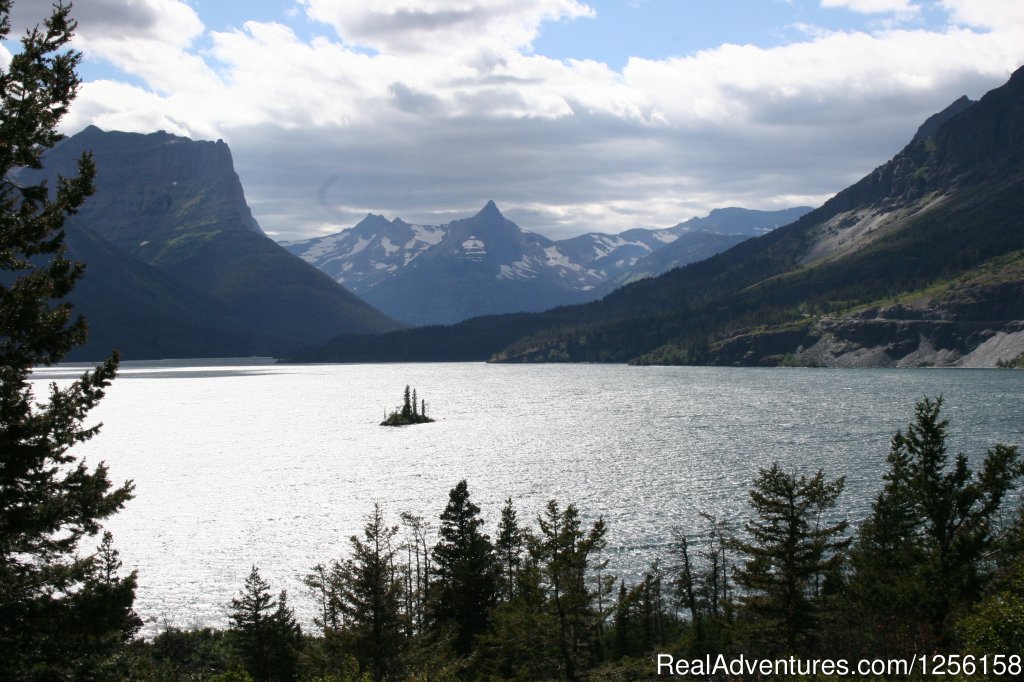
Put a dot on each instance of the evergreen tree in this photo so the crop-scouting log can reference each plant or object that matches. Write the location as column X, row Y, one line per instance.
column 265, row 633
column 623, row 622
column 702, row 586
column 466, row 573
column 61, row 614
column 250, row 614
column 923, row 551
column 287, row 640
column 563, row 552
column 789, row 553
column 368, row 589
column 524, row 642
column 417, row 570
column 406, row 403
column 509, row 547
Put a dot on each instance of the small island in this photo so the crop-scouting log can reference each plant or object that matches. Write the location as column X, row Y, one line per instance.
column 411, row 411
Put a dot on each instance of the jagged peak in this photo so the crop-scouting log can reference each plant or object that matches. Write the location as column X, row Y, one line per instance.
column 372, row 220
column 490, row 209
column 936, row 121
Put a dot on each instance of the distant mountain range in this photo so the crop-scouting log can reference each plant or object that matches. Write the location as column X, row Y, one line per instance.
column 919, row 263
column 486, row 264
column 176, row 266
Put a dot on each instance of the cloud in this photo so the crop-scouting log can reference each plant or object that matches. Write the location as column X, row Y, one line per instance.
column 168, row 21
column 991, row 14
column 395, row 115
column 901, row 7
column 417, row 26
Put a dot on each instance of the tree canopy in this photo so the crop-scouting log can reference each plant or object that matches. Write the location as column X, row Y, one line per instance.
column 61, row 612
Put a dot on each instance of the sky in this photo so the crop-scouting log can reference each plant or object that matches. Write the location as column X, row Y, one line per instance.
column 573, row 115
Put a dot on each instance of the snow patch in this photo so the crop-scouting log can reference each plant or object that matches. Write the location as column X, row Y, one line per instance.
column 427, row 234
column 324, row 246
column 521, row 269
column 388, row 246
column 557, row 259
column 474, row 248
column 361, row 243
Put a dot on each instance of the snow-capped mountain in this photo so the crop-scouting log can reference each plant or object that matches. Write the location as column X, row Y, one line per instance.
column 370, row 252
column 486, row 264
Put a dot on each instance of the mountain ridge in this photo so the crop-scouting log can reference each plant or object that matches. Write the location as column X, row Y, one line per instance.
column 948, row 205
column 424, row 274
column 175, row 206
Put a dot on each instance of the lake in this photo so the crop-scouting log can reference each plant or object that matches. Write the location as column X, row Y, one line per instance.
column 249, row 463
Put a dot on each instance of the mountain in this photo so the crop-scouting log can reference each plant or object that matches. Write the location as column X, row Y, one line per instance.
column 936, row 121
column 425, row 274
column 486, row 264
column 144, row 313
column 171, row 212
column 920, row 262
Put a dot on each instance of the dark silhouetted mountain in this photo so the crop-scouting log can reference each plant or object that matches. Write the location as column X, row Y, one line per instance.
column 938, row 228
column 144, row 313
column 177, row 206
column 936, row 121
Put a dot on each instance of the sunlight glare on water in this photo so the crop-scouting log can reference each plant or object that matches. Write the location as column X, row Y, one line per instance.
column 277, row 465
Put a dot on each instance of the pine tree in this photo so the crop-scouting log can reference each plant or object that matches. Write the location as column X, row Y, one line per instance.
column 623, row 622
column 265, row 633
column 369, row 594
column 466, row 573
column 406, row 403
column 789, row 552
column 286, row 638
column 250, row 613
column 509, row 546
column 922, row 552
column 563, row 552
column 60, row 615
column 417, row 570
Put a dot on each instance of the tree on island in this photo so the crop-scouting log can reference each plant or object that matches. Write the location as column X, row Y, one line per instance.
column 407, row 413
column 63, row 611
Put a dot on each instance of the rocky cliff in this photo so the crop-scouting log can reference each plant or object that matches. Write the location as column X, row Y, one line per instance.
column 177, row 206
column 970, row 324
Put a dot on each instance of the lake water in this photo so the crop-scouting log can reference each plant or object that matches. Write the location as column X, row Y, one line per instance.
column 242, row 464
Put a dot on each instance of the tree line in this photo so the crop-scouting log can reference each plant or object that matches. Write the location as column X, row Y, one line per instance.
column 937, row 566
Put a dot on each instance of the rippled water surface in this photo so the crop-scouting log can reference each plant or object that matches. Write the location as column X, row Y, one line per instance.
column 276, row 466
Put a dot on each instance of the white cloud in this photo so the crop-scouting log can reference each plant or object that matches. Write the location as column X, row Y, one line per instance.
column 167, row 21
column 901, row 7
column 429, row 128
column 992, row 14
column 466, row 26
